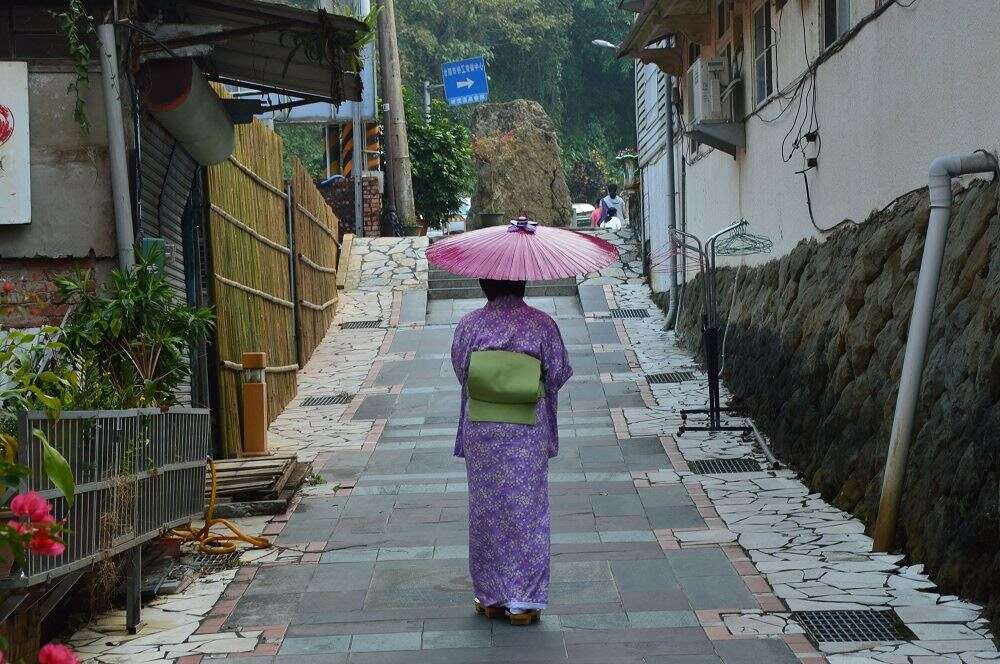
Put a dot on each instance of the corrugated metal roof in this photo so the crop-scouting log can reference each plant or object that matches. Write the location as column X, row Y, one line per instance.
column 275, row 55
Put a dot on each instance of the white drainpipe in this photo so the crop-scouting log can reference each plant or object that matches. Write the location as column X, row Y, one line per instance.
column 120, row 192
column 943, row 169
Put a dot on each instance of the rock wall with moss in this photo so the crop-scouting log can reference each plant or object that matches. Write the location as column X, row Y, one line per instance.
column 815, row 347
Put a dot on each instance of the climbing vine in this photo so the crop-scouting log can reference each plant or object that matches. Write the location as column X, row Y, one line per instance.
column 77, row 27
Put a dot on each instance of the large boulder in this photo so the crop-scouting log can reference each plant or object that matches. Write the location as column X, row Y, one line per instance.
column 518, row 165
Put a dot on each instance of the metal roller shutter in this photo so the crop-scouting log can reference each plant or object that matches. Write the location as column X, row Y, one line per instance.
column 168, row 173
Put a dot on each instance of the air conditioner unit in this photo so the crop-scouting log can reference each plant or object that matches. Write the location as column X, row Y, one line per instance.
column 707, row 79
column 712, row 106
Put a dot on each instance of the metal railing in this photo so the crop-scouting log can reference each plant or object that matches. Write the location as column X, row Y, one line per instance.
column 138, row 473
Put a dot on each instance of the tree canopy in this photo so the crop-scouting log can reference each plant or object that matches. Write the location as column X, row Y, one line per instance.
column 441, row 157
column 535, row 49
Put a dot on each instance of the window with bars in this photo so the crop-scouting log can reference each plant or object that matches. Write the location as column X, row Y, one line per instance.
column 763, row 54
column 836, row 20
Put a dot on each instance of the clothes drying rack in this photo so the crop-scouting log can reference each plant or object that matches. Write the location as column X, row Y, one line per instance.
column 734, row 240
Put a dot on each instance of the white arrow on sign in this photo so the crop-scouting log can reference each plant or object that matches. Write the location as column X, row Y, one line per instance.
column 467, row 83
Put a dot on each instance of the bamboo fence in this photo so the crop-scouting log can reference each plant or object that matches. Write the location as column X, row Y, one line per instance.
column 316, row 249
column 251, row 285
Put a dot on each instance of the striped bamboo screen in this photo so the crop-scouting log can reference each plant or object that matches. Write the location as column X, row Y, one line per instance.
column 251, row 289
column 316, row 249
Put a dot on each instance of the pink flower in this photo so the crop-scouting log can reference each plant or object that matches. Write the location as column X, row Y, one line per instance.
column 8, row 288
column 19, row 528
column 31, row 505
column 56, row 653
column 43, row 544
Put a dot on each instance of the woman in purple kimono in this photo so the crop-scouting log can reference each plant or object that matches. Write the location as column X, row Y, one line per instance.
column 507, row 463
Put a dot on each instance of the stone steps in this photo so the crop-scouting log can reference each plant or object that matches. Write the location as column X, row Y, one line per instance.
column 443, row 285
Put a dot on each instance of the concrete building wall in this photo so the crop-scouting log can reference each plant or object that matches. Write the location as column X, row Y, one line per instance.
column 655, row 211
column 72, row 213
column 913, row 84
column 72, row 222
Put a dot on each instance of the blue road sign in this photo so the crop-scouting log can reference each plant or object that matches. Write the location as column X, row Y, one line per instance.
column 465, row 81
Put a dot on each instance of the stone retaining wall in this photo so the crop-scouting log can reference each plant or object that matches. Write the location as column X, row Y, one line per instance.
column 815, row 348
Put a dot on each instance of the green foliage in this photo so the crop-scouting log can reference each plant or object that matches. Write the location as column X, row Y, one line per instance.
column 57, row 468
column 39, row 373
column 331, row 47
column 304, row 141
column 536, row 49
column 442, row 160
column 77, row 27
column 588, row 179
column 133, row 341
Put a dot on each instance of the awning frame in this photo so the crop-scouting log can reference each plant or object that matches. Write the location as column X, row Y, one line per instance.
column 655, row 22
column 308, row 55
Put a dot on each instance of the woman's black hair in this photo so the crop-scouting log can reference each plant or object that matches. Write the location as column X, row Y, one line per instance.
column 494, row 288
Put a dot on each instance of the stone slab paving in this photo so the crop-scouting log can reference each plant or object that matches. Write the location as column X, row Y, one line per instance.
column 382, row 263
column 652, row 563
column 628, row 270
column 383, row 575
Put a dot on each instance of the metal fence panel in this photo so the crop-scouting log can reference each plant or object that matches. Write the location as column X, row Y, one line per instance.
column 138, row 473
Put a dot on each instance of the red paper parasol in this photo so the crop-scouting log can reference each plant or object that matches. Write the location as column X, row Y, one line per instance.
column 522, row 251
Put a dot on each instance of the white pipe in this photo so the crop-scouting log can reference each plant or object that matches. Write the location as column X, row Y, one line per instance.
column 120, row 192
column 942, row 170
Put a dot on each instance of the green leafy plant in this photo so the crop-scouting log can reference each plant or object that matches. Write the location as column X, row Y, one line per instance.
column 132, row 340
column 442, row 160
column 37, row 372
column 330, row 46
column 77, row 27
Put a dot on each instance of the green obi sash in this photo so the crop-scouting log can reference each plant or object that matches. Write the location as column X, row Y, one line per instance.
column 504, row 387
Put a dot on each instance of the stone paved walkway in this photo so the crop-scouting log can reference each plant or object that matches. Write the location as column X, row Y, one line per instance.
column 653, row 563
column 402, row 589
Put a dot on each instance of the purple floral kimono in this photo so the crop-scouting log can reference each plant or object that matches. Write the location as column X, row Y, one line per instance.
column 508, row 463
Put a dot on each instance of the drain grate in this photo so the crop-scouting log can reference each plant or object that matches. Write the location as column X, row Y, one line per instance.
column 718, row 466
column 360, row 324
column 328, row 400
column 208, row 563
column 672, row 377
column 852, row 626
column 630, row 313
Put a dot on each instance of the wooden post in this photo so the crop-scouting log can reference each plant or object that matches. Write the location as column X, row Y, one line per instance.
column 397, row 144
column 254, row 405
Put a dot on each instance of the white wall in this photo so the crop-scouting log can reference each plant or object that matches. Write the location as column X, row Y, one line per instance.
column 655, row 211
column 914, row 84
